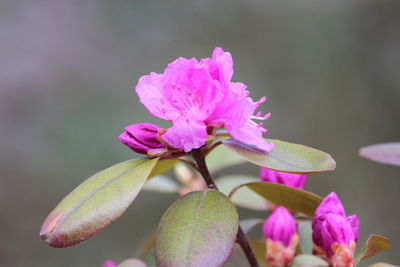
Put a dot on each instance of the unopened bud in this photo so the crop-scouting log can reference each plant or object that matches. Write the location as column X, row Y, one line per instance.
column 141, row 137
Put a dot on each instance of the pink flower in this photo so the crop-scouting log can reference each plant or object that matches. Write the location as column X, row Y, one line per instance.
column 109, row 263
column 141, row 137
column 333, row 234
column 288, row 179
column 197, row 96
column 281, row 234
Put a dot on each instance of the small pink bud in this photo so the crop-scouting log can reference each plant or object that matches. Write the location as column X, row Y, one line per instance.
column 288, row 179
column 280, row 232
column 141, row 137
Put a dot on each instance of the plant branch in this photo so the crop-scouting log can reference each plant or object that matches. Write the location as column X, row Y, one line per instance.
column 241, row 237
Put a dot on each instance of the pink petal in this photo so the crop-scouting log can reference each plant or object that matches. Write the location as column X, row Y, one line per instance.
column 252, row 135
column 186, row 134
column 153, row 96
column 224, row 64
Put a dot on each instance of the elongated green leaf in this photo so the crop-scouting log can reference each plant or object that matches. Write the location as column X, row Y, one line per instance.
column 285, row 157
column 308, row 261
column 245, row 197
column 221, row 158
column 161, row 184
column 291, row 198
column 374, row 245
column 198, row 229
column 163, row 166
column 132, row 263
column 387, row 153
column 248, row 224
column 95, row 203
column 305, row 234
column 382, row 264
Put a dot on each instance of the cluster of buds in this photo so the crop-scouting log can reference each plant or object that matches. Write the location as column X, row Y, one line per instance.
column 334, row 234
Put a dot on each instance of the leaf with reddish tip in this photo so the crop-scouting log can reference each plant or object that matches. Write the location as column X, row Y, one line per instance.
column 96, row 203
column 374, row 245
column 197, row 230
column 285, row 157
column 387, row 153
column 291, row 198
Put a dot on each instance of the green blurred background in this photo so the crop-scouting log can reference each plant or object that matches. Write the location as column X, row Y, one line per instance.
column 330, row 70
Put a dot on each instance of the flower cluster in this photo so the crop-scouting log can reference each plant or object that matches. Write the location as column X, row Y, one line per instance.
column 198, row 97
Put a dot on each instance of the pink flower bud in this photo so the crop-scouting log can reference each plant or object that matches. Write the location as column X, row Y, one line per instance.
column 109, row 263
column 280, row 226
column 288, row 179
column 141, row 137
column 334, row 235
column 280, row 232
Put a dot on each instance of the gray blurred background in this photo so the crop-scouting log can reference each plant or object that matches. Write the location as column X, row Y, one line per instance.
column 330, row 70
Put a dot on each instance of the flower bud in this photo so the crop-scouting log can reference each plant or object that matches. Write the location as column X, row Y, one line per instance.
column 280, row 232
column 288, row 179
column 334, row 235
column 141, row 137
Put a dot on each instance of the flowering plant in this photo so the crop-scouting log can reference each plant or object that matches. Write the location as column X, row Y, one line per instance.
column 214, row 127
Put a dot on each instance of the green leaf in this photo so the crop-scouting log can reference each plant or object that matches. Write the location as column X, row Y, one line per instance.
column 163, row 166
column 161, row 184
column 245, row 197
column 374, row 245
column 285, row 157
column 260, row 251
column 305, row 235
column 308, row 261
column 95, row 203
column 199, row 229
column 248, row 224
column 382, row 264
column 294, row 199
column 132, row 263
column 387, row 153
column 221, row 158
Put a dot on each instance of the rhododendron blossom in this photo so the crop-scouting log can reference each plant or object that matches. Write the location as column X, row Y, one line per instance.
column 197, row 97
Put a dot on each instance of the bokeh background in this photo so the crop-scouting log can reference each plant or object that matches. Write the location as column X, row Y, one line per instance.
column 330, row 70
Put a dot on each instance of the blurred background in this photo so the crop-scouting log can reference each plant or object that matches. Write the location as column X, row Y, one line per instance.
column 330, row 70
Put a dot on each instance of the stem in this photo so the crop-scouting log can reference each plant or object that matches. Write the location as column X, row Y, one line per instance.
column 241, row 237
